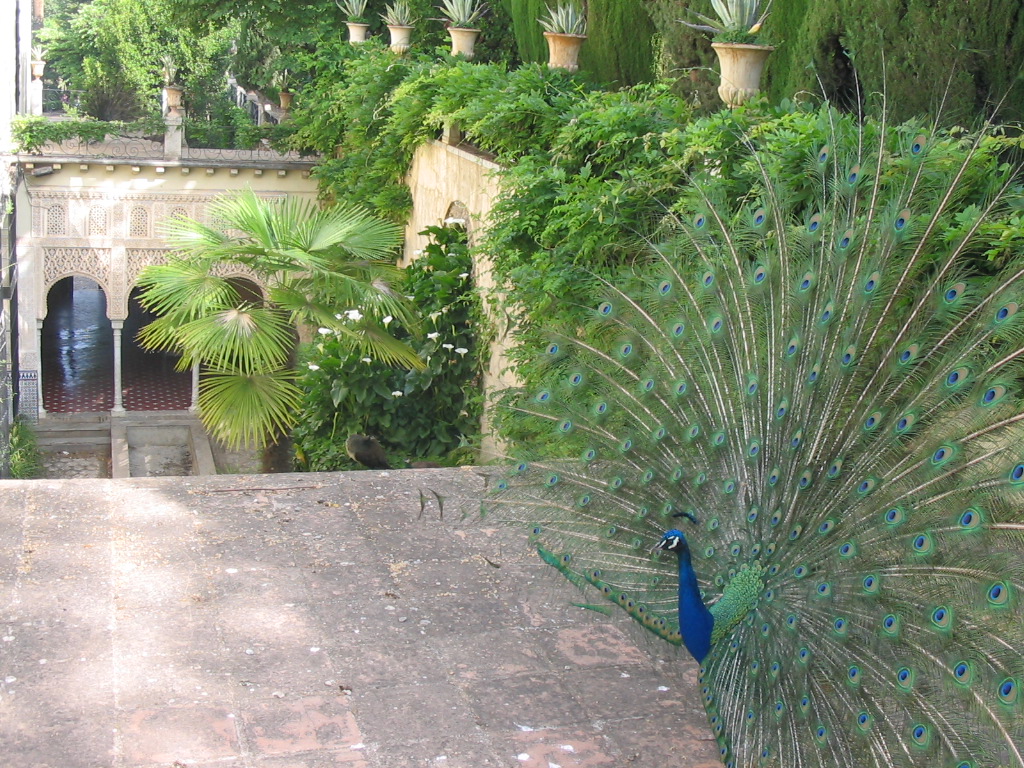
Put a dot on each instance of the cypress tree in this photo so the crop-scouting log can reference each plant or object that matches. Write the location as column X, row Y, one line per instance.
column 620, row 46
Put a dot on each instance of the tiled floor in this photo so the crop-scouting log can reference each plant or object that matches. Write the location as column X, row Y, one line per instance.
column 78, row 360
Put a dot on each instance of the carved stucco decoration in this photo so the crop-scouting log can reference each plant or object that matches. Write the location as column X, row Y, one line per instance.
column 110, row 237
column 93, row 263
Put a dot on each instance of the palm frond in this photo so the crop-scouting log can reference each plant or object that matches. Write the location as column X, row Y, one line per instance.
column 246, row 338
column 185, row 289
column 246, row 410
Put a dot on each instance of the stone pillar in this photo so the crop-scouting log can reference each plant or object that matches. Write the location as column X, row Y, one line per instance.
column 195, row 389
column 35, row 88
column 118, row 409
column 173, row 134
column 39, row 346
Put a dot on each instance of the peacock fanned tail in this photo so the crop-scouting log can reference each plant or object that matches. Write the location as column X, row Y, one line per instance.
column 826, row 375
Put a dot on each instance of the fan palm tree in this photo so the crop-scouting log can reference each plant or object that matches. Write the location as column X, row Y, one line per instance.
column 328, row 268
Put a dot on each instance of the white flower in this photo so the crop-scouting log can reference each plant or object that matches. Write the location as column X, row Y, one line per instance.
column 354, row 314
column 461, row 350
column 313, row 366
column 387, row 321
column 434, row 315
column 448, row 346
column 464, row 275
column 367, row 360
column 338, row 317
column 433, row 335
column 397, row 393
column 324, row 331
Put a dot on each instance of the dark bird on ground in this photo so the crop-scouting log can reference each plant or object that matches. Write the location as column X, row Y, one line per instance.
column 367, row 451
column 423, row 464
column 818, row 376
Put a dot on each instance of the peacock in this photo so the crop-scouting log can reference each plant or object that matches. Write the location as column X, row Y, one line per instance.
column 789, row 437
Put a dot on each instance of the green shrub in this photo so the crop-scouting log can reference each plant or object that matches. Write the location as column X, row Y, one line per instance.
column 425, row 414
column 380, row 107
column 32, row 132
column 586, row 212
column 24, row 456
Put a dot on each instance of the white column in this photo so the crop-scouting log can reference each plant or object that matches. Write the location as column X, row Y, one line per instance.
column 35, row 97
column 118, row 409
column 195, row 388
column 35, row 88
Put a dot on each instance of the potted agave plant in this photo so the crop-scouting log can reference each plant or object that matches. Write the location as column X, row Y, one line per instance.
column 355, row 19
column 565, row 29
column 740, row 51
column 399, row 20
column 173, row 92
column 285, row 95
column 462, row 15
column 38, row 61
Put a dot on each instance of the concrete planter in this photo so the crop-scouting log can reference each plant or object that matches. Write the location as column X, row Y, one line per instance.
column 173, row 94
column 741, row 71
column 463, row 41
column 286, row 99
column 357, row 31
column 37, row 69
column 400, row 37
column 564, row 50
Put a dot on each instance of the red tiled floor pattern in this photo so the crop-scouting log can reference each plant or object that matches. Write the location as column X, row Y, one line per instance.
column 78, row 361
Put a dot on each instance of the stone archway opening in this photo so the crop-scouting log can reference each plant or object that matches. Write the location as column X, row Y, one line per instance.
column 76, row 348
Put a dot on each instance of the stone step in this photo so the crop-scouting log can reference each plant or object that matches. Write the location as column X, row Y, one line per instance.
column 75, row 437
column 76, row 431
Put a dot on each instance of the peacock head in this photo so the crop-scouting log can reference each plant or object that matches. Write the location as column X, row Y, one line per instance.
column 672, row 541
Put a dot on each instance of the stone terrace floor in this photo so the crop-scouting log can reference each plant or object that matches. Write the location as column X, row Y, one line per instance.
column 299, row 621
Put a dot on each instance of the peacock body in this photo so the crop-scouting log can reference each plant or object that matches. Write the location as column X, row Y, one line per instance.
column 791, row 438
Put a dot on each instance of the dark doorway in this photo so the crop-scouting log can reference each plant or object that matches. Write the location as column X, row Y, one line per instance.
column 77, row 350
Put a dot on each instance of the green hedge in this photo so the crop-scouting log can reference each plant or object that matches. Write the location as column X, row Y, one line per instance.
column 430, row 414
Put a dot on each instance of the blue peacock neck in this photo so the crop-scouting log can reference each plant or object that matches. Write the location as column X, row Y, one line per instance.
column 700, row 627
column 695, row 620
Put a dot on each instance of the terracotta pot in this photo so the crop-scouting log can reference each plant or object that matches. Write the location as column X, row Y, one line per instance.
column 286, row 99
column 564, row 50
column 463, row 40
column 356, row 31
column 400, row 37
column 741, row 71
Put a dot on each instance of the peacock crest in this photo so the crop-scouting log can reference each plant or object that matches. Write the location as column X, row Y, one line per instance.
column 817, row 385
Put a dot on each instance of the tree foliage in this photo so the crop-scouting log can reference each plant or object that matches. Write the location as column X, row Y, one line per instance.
column 112, row 50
